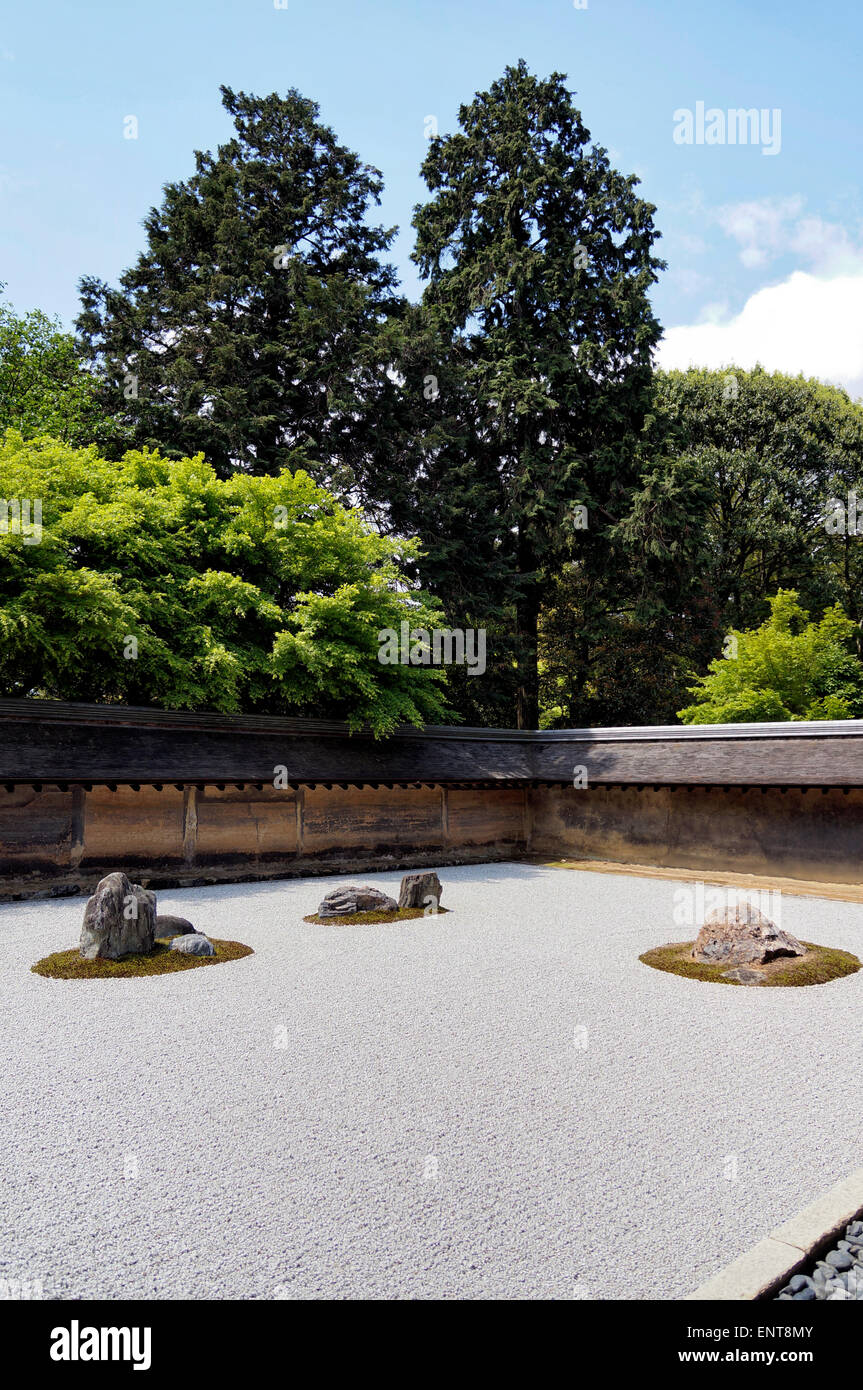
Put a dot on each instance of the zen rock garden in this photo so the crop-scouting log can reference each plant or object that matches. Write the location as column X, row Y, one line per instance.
column 121, row 920
column 744, row 938
column 739, row 945
column 124, row 935
column 418, row 894
column 361, row 1054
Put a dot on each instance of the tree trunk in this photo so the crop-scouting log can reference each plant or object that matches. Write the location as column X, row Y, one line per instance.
column 527, row 618
column 527, row 710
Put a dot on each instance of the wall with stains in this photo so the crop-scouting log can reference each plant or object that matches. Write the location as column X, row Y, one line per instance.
column 796, row 832
column 53, row 840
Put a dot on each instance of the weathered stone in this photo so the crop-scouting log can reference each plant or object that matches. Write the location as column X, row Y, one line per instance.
column 119, row 920
column 798, row 1282
column 167, row 925
column 416, row 888
column 839, row 1259
column 742, row 935
column 195, row 945
column 745, row 976
column 342, row 902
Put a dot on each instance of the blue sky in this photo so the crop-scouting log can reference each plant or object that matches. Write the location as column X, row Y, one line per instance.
column 765, row 251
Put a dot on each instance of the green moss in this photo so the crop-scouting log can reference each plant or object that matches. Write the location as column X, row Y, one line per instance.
column 68, row 965
column 404, row 914
column 820, row 965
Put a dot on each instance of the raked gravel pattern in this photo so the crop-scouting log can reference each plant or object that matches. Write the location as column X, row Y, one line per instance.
column 499, row 1103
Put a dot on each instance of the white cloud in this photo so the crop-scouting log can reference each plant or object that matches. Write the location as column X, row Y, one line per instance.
column 809, row 323
column 767, row 228
column 760, row 228
column 827, row 246
column 690, row 282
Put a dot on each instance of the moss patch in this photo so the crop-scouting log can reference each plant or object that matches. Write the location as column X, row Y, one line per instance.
column 820, row 965
column 68, row 965
column 404, row 914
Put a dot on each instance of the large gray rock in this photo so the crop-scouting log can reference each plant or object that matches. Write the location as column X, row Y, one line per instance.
column 167, row 925
column 742, row 935
column 194, row 945
column 119, row 920
column 342, row 902
column 416, row 888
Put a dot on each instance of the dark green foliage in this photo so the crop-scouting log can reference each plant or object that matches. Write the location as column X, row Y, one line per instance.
column 739, row 469
column 788, row 668
column 539, row 260
column 772, row 450
column 247, row 326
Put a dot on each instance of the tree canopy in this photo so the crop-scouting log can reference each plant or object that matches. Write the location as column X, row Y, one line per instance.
column 152, row 581
column 539, row 259
column 246, row 328
column 44, row 387
column 521, row 466
column 789, row 668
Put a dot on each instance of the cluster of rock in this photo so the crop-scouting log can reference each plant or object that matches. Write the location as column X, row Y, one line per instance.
column 417, row 890
column 837, row 1277
column 121, row 920
column 743, row 938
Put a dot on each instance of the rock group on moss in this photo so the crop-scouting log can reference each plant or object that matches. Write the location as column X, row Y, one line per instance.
column 120, row 919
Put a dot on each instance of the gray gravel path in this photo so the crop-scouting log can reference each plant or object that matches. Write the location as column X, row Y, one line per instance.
column 497, row 1103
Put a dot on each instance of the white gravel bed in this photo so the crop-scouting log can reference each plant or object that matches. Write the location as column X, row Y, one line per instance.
column 499, row 1103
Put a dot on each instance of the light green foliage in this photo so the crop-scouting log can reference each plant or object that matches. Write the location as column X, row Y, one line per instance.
column 44, row 386
column 789, row 668
column 253, row 594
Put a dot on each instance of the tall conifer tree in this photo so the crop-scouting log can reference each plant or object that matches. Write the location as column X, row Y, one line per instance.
column 539, row 257
column 246, row 327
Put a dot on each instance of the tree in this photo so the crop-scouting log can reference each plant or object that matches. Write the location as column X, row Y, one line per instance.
column 247, row 327
column 734, row 501
column 152, row 581
column 539, row 261
column 654, row 617
column 435, row 477
column 772, row 450
column 789, row 668
column 44, row 387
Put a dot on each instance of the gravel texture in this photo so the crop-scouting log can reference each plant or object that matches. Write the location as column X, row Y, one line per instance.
column 502, row 1102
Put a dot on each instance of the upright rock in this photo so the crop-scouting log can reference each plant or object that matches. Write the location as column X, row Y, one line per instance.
column 417, row 887
column 343, row 902
column 119, row 920
column 742, row 935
